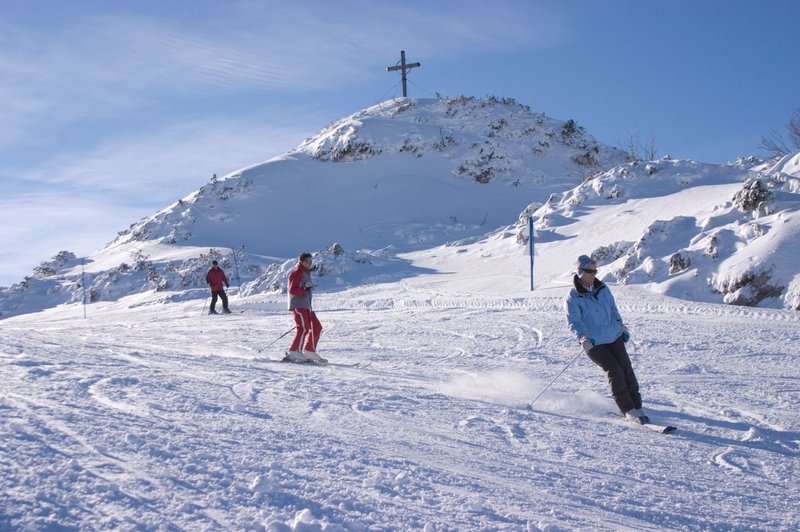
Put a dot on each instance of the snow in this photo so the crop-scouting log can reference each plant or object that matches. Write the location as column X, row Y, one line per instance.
column 149, row 414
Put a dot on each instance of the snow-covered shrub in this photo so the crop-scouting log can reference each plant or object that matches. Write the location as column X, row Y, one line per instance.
column 751, row 231
column 487, row 163
column 615, row 192
column 568, row 130
column 752, row 197
column 51, row 267
column 610, row 253
column 747, row 287
column 353, row 150
column 586, row 158
column 444, row 142
column 43, row 270
column 496, row 126
column 411, row 146
column 679, row 262
column 711, row 249
column 791, row 300
column 643, row 260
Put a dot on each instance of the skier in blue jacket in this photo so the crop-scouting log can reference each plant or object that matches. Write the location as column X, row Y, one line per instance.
column 595, row 321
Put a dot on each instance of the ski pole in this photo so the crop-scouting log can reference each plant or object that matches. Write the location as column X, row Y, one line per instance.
column 556, row 377
column 276, row 339
column 205, row 302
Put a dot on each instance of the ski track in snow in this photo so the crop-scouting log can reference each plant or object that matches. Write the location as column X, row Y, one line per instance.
column 159, row 418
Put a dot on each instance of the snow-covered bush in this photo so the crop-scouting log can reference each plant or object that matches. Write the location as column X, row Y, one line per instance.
column 752, row 197
column 679, row 262
column 791, row 299
column 746, row 287
column 51, row 267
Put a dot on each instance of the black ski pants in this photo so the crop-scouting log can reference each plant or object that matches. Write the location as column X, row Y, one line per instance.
column 223, row 296
column 614, row 360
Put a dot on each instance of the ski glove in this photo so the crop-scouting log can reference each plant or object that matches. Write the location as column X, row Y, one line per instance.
column 308, row 285
column 625, row 334
column 587, row 343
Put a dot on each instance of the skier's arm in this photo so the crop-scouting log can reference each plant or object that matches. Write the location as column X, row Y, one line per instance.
column 574, row 319
column 294, row 283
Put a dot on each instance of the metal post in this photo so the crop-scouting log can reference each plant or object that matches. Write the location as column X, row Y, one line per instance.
column 83, row 285
column 236, row 269
column 530, row 242
column 403, row 76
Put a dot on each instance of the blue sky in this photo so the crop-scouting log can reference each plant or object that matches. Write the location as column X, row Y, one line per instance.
column 113, row 110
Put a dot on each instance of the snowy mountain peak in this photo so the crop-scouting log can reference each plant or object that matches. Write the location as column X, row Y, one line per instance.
column 469, row 140
column 480, row 133
column 408, row 175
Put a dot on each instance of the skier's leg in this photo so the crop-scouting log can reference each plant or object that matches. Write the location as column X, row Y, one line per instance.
column 301, row 331
column 617, row 349
column 224, row 297
column 315, row 330
column 214, row 296
column 602, row 356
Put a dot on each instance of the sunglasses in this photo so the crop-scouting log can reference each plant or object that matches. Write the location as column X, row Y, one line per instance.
column 585, row 270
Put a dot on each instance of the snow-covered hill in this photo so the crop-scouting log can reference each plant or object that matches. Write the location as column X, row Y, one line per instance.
column 411, row 175
column 398, row 176
column 717, row 233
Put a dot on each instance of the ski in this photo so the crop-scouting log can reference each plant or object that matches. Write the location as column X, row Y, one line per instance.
column 661, row 429
column 309, row 363
column 345, row 365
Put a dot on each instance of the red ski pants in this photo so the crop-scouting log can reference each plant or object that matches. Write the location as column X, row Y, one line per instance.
column 308, row 329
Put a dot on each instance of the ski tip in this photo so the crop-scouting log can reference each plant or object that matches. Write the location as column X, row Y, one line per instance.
column 669, row 429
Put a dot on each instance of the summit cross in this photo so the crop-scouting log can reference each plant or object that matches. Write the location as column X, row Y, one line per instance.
column 403, row 67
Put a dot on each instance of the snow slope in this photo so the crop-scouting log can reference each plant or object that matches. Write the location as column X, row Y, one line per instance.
column 721, row 233
column 147, row 416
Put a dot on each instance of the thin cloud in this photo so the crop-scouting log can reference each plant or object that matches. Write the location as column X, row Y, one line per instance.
column 53, row 222
column 185, row 155
column 109, row 61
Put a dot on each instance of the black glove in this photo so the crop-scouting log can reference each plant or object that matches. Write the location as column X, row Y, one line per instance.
column 308, row 285
column 227, row 285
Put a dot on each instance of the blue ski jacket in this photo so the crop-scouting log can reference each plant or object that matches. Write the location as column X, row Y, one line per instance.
column 594, row 313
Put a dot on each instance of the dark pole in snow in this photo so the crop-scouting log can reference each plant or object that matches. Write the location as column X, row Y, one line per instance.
column 83, row 285
column 236, row 268
column 530, row 241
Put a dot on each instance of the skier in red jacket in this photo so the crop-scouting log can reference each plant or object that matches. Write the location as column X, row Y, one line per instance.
column 216, row 278
column 308, row 326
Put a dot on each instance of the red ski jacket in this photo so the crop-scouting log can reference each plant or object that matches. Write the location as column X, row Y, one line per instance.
column 299, row 296
column 216, row 279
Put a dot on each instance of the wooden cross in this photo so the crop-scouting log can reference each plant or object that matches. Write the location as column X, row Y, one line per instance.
column 403, row 67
